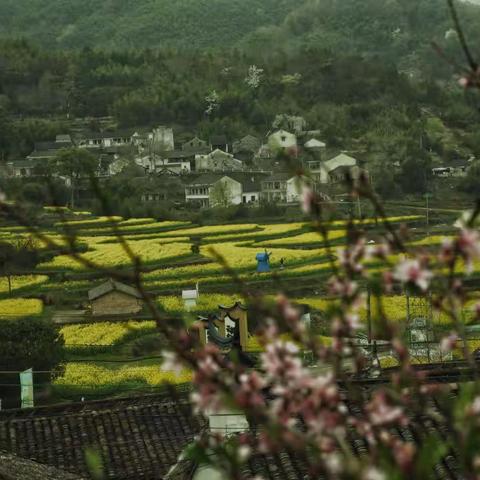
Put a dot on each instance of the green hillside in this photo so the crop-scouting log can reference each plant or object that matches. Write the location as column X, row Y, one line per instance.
column 138, row 23
column 402, row 30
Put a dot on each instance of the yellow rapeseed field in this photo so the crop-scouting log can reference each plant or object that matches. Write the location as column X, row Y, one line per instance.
column 212, row 230
column 85, row 377
column 114, row 255
column 21, row 307
column 104, row 333
column 21, row 281
column 89, row 222
column 265, row 231
column 305, row 239
column 243, row 256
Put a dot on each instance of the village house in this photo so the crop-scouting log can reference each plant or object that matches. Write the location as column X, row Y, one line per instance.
column 315, row 146
column 49, row 150
column 245, row 148
column 162, row 139
column 282, row 141
column 281, row 188
column 21, row 168
column 196, row 145
column 106, row 139
column 212, row 189
column 454, row 168
column 332, row 170
column 219, row 142
column 115, row 298
column 176, row 162
column 217, row 161
column 232, row 188
column 64, row 140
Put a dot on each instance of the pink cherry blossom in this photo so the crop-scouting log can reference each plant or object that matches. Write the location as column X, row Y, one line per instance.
column 449, row 343
column 382, row 413
column 412, row 272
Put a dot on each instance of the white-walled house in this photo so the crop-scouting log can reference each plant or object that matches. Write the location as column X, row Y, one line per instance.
column 203, row 190
column 282, row 140
column 196, row 145
column 281, row 188
column 217, row 161
column 162, row 139
column 177, row 162
column 314, row 145
column 324, row 172
column 106, row 140
column 233, row 188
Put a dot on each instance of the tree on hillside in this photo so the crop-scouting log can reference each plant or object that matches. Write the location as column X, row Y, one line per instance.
column 18, row 257
column 75, row 163
column 41, row 346
column 29, row 343
column 221, row 195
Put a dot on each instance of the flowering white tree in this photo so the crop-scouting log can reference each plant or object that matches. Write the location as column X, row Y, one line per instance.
column 213, row 102
column 254, row 77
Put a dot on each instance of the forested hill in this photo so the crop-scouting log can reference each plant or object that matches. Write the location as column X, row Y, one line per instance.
column 139, row 23
column 402, row 30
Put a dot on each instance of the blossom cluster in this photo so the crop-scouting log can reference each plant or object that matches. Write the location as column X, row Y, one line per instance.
column 315, row 410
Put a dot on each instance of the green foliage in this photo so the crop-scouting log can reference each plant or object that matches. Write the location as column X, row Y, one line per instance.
column 140, row 23
column 30, row 343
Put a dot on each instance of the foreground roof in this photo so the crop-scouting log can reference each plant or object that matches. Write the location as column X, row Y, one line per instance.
column 143, row 437
column 16, row 468
column 137, row 438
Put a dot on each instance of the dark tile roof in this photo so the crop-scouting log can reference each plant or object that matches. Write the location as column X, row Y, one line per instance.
column 102, row 135
column 207, row 178
column 44, row 154
column 16, row 468
column 42, row 146
column 138, row 438
column 250, row 180
column 22, row 164
column 279, row 177
column 218, row 140
column 142, row 437
column 179, row 154
column 112, row 286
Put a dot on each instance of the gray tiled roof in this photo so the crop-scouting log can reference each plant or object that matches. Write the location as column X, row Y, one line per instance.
column 138, row 438
column 16, row 468
column 112, row 286
column 279, row 177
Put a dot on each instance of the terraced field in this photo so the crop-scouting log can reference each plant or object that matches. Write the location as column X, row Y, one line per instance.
column 98, row 352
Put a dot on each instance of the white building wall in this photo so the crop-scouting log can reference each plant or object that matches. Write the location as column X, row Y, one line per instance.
column 163, row 138
column 293, row 193
column 234, row 188
column 282, row 140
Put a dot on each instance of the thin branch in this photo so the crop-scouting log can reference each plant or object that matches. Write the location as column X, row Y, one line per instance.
column 461, row 36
